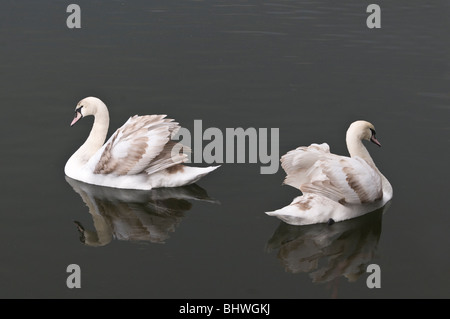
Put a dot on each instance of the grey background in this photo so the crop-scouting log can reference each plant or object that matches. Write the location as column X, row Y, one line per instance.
column 309, row 68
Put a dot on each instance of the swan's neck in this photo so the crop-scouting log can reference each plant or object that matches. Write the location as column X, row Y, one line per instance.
column 96, row 138
column 356, row 147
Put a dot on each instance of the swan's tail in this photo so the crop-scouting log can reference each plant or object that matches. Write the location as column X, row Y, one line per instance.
column 193, row 174
column 308, row 209
column 180, row 175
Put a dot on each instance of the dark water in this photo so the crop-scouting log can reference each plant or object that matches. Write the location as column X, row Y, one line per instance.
column 309, row 68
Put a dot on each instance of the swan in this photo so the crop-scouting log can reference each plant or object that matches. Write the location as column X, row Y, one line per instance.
column 334, row 187
column 139, row 155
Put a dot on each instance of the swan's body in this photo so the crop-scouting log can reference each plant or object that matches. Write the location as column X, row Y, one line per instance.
column 139, row 155
column 334, row 187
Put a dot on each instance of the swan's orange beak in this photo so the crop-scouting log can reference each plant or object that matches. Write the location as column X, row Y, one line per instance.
column 374, row 140
column 76, row 118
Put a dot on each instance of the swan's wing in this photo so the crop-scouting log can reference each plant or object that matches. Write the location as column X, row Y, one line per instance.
column 173, row 153
column 140, row 144
column 297, row 162
column 344, row 179
column 315, row 170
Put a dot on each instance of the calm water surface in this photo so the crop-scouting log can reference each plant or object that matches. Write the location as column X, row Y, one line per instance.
column 309, row 68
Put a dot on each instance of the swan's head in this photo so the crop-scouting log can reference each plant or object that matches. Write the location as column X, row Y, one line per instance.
column 363, row 130
column 87, row 106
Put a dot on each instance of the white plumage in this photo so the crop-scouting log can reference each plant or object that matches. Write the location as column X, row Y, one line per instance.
column 139, row 155
column 334, row 187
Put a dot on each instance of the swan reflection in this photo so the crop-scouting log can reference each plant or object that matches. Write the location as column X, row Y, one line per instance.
column 134, row 215
column 327, row 252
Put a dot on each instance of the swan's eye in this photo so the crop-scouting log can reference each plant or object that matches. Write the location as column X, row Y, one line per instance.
column 78, row 110
column 373, row 132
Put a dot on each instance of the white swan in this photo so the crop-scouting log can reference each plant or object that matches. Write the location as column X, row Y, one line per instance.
column 334, row 187
column 139, row 155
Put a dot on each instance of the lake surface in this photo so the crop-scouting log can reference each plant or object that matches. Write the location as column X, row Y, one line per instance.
column 308, row 68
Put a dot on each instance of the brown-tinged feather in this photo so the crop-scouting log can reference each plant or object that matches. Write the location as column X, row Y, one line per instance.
column 140, row 133
column 304, row 204
column 175, row 169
